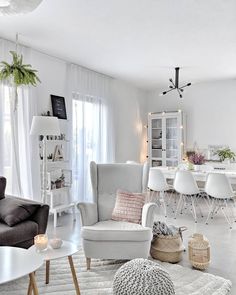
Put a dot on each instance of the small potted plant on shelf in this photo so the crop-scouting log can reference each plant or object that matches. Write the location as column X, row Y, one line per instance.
column 226, row 155
column 197, row 159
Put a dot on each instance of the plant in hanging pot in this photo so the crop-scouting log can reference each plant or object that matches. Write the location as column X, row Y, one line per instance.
column 17, row 74
column 197, row 159
column 226, row 155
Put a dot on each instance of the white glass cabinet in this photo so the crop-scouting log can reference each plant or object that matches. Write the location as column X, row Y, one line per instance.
column 166, row 138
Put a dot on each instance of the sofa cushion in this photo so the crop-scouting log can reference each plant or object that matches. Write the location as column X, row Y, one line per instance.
column 111, row 230
column 13, row 210
column 3, row 183
column 128, row 207
column 24, row 231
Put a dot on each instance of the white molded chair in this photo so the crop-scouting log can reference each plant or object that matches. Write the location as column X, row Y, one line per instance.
column 219, row 189
column 108, row 239
column 186, row 186
column 157, row 183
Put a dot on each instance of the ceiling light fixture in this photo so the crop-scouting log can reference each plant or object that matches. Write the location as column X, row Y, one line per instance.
column 8, row 7
column 176, row 85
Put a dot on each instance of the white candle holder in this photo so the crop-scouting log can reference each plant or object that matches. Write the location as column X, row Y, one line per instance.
column 41, row 242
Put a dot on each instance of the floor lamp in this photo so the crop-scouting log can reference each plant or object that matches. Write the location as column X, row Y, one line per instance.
column 43, row 125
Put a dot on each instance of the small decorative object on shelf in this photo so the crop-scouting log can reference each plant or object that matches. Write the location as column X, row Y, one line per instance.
column 58, row 153
column 199, row 251
column 41, row 242
column 59, row 178
column 48, row 114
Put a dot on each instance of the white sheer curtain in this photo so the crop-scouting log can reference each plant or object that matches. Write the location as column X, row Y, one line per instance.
column 17, row 148
column 92, row 126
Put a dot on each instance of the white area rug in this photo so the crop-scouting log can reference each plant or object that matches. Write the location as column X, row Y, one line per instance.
column 99, row 279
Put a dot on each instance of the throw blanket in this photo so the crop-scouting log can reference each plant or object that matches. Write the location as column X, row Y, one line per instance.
column 161, row 228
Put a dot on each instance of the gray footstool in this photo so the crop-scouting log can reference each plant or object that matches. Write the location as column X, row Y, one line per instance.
column 141, row 276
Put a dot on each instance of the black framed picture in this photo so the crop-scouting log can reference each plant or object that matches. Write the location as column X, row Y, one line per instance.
column 58, row 107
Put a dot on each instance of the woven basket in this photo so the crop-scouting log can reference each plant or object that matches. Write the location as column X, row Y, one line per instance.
column 199, row 251
column 167, row 248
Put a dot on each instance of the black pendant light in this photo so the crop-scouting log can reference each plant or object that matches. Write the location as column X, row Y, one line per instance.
column 176, row 85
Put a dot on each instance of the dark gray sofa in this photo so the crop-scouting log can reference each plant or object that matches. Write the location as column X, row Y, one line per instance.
column 22, row 234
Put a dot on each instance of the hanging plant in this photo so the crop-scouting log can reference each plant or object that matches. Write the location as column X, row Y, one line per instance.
column 18, row 73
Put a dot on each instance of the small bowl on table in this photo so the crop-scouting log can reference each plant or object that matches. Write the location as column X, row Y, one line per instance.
column 56, row 243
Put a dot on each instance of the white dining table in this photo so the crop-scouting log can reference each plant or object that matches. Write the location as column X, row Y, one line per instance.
column 169, row 173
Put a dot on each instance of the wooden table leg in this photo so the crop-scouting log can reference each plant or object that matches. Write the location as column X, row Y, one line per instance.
column 29, row 292
column 74, row 275
column 33, row 283
column 47, row 271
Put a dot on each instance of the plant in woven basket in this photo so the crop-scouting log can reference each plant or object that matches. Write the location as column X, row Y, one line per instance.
column 17, row 73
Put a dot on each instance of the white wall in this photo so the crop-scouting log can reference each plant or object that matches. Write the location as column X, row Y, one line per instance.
column 129, row 115
column 210, row 109
column 128, row 104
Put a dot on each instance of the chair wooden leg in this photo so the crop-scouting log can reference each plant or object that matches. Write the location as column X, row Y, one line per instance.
column 33, row 283
column 74, row 275
column 88, row 262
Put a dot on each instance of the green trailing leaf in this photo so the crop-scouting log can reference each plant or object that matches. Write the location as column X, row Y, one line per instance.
column 17, row 72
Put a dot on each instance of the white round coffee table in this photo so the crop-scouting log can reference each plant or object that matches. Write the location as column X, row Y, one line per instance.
column 18, row 262
column 67, row 250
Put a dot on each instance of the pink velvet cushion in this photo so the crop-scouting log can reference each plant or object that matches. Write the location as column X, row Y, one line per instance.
column 128, row 207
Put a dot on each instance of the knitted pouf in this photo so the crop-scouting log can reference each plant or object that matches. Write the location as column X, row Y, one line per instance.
column 141, row 276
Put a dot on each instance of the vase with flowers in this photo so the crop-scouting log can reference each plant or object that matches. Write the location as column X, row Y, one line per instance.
column 197, row 159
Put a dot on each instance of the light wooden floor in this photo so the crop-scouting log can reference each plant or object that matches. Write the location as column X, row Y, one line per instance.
column 222, row 239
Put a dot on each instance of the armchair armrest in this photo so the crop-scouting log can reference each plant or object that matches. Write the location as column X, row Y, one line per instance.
column 88, row 213
column 148, row 214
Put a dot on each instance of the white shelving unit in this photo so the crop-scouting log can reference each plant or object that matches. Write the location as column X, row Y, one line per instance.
column 59, row 178
column 166, row 138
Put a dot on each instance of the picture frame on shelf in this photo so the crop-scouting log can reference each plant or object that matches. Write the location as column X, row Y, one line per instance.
column 212, row 152
column 58, row 107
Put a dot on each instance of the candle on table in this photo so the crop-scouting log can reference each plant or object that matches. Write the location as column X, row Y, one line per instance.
column 41, row 242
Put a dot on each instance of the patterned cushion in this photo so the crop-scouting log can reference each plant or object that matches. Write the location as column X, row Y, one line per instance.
column 141, row 276
column 128, row 207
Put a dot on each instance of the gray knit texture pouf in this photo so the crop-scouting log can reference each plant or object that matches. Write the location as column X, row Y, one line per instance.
column 141, row 276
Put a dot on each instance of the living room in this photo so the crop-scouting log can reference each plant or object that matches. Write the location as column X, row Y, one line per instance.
column 128, row 101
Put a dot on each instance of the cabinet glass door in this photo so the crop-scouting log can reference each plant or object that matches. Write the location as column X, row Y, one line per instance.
column 156, row 147
column 171, row 142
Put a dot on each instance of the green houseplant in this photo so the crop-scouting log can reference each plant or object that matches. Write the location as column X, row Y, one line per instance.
column 226, row 154
column 17, row 73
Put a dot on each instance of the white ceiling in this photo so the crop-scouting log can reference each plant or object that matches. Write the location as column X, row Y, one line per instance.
column 140, row 41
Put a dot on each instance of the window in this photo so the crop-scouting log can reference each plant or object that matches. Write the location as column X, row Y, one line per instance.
column 89, row 141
